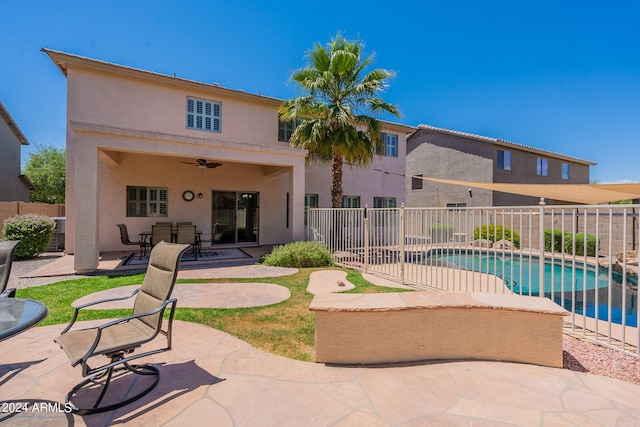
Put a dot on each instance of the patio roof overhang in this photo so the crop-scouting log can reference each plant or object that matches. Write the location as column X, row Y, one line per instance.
column 574, row 193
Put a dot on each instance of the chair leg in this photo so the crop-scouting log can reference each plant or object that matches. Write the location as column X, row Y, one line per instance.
column 96, row 408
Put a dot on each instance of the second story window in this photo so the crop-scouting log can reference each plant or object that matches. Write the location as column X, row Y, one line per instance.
column 203, row 115
column 285, row 129
column 389, row 145
column 542, row 166
column 565, row 171
column 504, row 160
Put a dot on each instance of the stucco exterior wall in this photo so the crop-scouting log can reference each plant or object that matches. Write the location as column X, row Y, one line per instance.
column 415, row 326
column 12, row 189
column 367, row 182
column 444, row 156
column 135, row 103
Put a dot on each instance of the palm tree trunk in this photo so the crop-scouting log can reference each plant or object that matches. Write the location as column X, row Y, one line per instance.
column 336, row 181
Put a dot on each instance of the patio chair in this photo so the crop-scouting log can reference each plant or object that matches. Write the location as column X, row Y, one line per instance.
column 179, row 223
column 187, row 234
column 160, row 233
column 7, row 248
column 124, row 239
column 118, row 339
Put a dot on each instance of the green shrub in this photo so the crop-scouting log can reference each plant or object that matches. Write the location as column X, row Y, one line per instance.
column 579, row 248
column 496, row 232
column 33, row 231
column 557, row 240
column 299, row 255
column 568, row 243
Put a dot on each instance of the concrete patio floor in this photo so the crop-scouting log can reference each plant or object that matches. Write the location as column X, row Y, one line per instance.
column 213, row 378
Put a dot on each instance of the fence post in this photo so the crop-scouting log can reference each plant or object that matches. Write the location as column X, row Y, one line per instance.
column 541, row 244
column 401, row 237
column 365, row 221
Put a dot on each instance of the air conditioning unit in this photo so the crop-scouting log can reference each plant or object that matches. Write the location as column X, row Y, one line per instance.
column 57, row 240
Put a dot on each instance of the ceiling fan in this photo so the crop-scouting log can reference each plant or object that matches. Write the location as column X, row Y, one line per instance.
column 202, row 164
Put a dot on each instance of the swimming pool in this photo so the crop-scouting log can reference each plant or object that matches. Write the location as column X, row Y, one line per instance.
column 576, row 288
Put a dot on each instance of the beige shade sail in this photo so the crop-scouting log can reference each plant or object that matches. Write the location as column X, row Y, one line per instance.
column 591, row 194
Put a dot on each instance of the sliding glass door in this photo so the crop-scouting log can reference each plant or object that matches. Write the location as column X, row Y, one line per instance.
column 234, row 217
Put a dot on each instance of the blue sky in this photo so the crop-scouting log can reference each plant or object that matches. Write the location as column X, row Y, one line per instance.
column 558, row 75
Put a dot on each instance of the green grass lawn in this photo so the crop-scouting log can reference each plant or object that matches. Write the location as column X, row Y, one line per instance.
column 286, row 328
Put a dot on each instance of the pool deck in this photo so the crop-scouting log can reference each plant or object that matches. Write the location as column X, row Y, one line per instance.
column 214, row 378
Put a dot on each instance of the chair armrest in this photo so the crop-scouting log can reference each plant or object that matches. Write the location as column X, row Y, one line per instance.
column 8, row 293
column 136, row 316
column 99, row 329
column 77, row 309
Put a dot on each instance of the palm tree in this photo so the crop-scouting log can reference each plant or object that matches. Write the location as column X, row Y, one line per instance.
column 336, row 114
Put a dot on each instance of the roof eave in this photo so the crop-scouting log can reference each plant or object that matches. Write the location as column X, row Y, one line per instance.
column 504, row 143
column 4, row 113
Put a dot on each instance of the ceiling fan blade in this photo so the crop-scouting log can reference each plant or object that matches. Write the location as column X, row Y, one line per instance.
column 213, row 165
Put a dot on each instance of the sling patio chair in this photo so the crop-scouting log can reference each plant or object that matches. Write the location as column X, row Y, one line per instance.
column 187, row 234
column 118, row 339
column 160, row 233
column 7, row 248
column 124, row 239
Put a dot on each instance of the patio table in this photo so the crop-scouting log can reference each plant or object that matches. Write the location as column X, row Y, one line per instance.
column 18, row 314
column 174, row 233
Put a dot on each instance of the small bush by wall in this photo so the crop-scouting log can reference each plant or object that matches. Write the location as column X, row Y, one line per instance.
column 34, row 232
column 556, row 239
column 496, row 232
column 299, row 255
column 568, row 243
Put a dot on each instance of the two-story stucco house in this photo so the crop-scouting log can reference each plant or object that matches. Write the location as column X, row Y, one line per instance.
column 15, row 187
column 442, row 153
column 140, row 144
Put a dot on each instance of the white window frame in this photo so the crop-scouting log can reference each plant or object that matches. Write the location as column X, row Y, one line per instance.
column 204, row 115
column 389, row 144
column 542, row 166
column 504, row 160
column 147, row 201
column 286, row 129
column 350, row 201
column 565, row 171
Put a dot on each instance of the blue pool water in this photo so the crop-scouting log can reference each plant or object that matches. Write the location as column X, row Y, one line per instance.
column 561, row 282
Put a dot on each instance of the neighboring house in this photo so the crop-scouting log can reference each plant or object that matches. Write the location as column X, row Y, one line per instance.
column 134, row 140
column 442, row 153
column 15, row 187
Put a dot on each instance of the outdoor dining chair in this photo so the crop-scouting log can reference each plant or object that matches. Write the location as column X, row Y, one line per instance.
column 7, row 248
column 187, row 234
column 118, row 339
column 160, row 233
column 124, row 239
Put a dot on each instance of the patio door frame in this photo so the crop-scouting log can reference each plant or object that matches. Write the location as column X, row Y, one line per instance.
column 232, row 214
